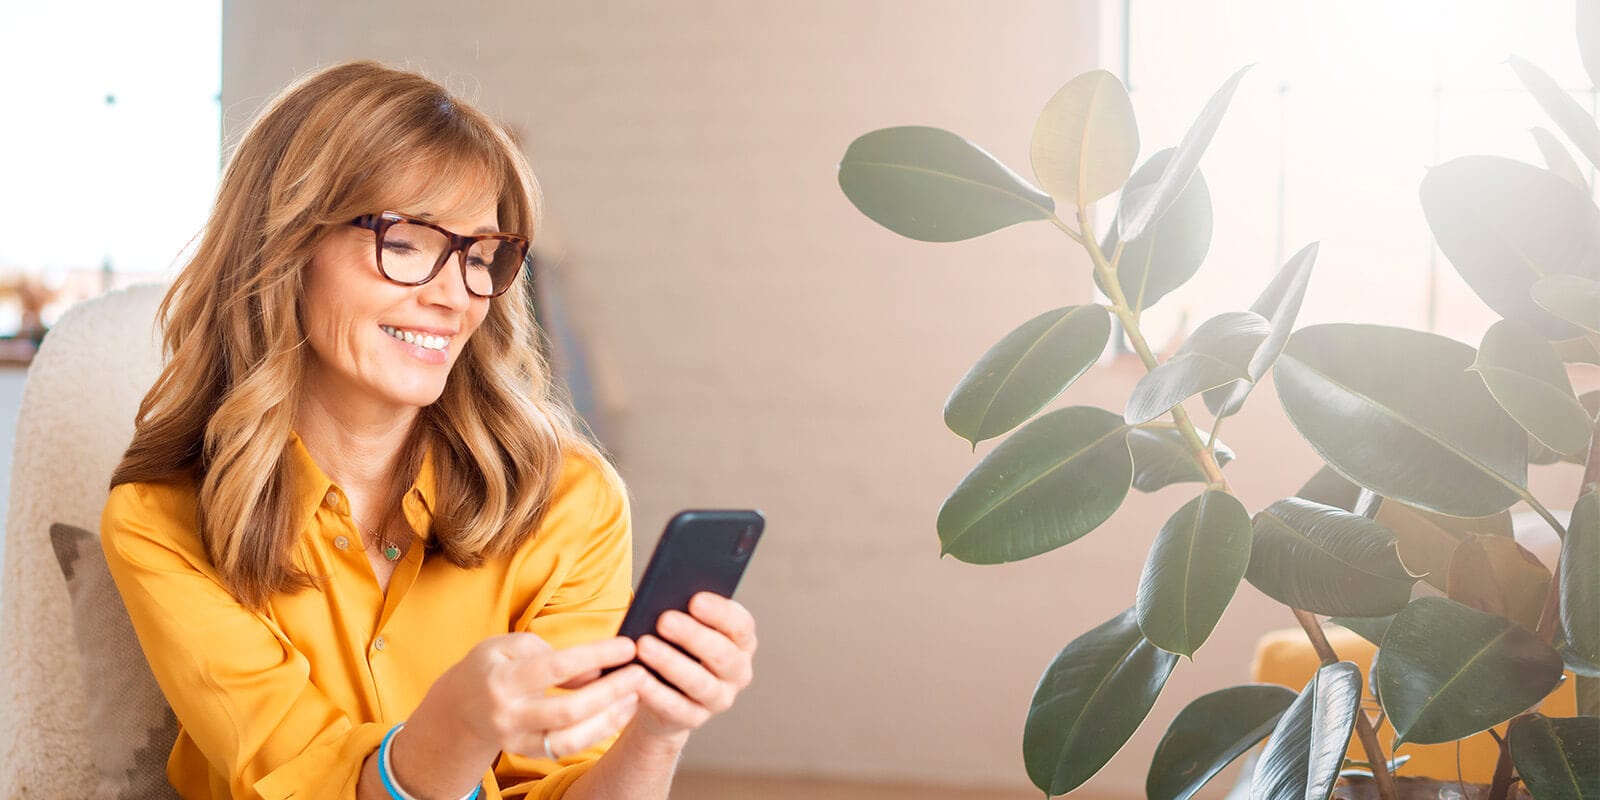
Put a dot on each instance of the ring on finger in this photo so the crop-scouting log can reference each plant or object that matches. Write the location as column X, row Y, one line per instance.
column 548, row 753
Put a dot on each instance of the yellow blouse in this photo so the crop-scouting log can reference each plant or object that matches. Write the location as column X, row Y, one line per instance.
column 288, row 702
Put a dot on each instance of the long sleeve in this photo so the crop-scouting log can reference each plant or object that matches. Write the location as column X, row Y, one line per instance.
column 240, row 689
column 584, row 602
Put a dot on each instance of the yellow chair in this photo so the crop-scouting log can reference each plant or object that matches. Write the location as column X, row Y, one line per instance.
column 1286, row 657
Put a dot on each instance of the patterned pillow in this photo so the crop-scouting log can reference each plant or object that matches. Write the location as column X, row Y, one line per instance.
column 131, row 727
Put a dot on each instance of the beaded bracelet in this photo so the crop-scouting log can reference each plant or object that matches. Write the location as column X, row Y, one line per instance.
column 386, row 770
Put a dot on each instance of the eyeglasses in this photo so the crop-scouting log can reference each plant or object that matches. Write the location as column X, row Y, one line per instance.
column 411, row 252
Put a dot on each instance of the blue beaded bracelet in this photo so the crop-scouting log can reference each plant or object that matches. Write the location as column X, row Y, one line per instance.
column 386, row 770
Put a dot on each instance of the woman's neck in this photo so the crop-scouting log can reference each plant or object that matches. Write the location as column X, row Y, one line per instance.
column 360, row 452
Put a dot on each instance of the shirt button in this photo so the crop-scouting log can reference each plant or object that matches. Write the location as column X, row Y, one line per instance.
column 332, row 499
column 341, row 542
column 378, row 644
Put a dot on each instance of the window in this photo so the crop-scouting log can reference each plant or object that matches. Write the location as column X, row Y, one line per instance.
column 1330, row 135
column 110, row 149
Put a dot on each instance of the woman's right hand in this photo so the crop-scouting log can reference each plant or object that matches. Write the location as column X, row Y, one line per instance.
column 497, row 699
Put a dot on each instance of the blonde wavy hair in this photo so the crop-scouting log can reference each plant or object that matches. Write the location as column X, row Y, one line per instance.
column 327, row 149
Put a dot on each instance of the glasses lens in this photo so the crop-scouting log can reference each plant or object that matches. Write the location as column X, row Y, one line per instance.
column 492, row 265
column 410, row 251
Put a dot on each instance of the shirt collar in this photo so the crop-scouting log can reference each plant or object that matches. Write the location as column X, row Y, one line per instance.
column 311, row 488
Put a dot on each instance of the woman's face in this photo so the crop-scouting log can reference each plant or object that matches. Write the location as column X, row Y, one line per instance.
column 356, row 320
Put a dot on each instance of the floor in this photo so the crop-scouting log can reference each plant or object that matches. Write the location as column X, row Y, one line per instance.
column 721, row 786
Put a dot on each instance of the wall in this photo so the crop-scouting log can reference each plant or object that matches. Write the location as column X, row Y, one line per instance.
column 774, row 348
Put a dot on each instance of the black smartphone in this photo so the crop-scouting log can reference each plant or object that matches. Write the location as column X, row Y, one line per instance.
column 699, row 551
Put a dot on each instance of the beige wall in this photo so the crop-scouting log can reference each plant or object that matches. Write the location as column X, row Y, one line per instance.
column 777, row 349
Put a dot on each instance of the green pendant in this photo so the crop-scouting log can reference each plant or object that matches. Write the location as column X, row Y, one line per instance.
column 391, row 552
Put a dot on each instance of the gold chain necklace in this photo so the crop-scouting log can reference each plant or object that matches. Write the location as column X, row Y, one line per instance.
column 390, row 550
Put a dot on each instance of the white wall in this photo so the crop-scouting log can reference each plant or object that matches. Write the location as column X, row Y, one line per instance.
column 777, row 349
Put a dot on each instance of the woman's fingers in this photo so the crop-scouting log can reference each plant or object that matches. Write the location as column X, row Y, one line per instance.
column 669, row 707
column 719, row 653
column 571, row 708
column 572, row 738
column 689, row 676
column 535, row 669
column 728, row 616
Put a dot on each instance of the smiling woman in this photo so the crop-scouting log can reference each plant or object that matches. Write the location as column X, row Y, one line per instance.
column 344, row 367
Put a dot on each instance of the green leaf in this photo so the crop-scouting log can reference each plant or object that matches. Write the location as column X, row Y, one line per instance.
column 1086, row 140
column 934, row 186
column 1428, row 540
column 1218, row 352
column 1171, row 250
column 1446, row 671
column 1580, row 579
column 1326, row 560
column 1161, row 458
column 1053, row 481
column 1192, row 571
column 1306, row 748
column 1027, row 369
column 1528, row 381
column 1499, row 576
column 1557, row 159
column 1574, row 299
column 1370, row 628
column 1091, row 698
column 1209, row 734
column 1504, row 225
column 1279, row 303
column 1570, row 117
column 1368, row 399
column 1138, row 209
column 1559, row 759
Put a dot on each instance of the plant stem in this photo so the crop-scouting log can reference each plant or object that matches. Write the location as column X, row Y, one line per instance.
column 1107, row 272
column 1365, row 731
column 1500, row 789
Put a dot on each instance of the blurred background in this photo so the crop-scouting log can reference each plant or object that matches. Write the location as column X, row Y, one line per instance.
column 740, row 335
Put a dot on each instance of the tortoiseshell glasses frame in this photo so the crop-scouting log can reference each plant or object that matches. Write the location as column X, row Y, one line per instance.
column 510, row 253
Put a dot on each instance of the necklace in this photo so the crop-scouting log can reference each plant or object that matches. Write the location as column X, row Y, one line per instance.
column 391, row 550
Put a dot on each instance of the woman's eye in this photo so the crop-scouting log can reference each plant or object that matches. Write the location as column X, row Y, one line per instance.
column 398, row 247
column 477, row 263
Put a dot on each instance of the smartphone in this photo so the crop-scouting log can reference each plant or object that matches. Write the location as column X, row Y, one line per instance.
column 699, row 551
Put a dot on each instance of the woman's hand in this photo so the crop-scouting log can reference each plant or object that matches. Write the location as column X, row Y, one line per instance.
column 720, row 635
column 497, row 698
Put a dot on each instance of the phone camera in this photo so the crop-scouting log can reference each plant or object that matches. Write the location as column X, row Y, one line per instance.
column 745, row 543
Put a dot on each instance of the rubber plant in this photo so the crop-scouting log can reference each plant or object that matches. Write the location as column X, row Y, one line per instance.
column 1405, row 534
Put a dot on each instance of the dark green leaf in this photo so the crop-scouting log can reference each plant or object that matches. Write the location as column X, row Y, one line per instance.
column 1580, row 579
column 1500, row 577
column 1053, row 481
column 1192, row 571
column 1161, row 458
column 1570, row 117
column 1559, row 759
column 1279, row 303
column 1446, row 671
column 1304, row 752
column 1571, row 298
column 1528, row 380
column 1368, row 399
column 1091, row 698
column 1504, row 225
column 1217, row 353
column 1138, row 209
column 1370, row 628
column 934, row 186
column 1558, row 160
column 1172, row 249
column 1085, row 141
column 1326, row 560
column 1209, row 734
column 1027, row 369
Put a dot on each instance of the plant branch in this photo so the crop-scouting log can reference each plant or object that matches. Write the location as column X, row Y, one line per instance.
column 1365, row 731
column 1074, row 235
column 1500, row 789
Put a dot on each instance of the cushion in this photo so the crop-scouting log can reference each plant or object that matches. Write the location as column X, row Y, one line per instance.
column 131, row 727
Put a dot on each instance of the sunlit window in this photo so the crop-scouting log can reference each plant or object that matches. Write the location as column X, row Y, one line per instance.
column 109, row 150
column 1346, row 106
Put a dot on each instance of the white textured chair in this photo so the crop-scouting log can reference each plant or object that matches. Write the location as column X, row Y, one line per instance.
column 82, row 391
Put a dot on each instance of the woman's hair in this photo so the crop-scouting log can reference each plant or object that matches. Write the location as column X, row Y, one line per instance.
column 331, row 147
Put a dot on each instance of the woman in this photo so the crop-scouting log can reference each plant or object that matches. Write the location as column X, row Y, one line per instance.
column 365, row 549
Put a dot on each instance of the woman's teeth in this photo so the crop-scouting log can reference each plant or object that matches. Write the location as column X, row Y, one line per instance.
column 419, row 339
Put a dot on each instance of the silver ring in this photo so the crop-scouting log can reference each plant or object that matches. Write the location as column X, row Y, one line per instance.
column 548, row 753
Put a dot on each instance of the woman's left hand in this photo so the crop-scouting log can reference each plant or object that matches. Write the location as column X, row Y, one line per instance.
column 721, row 634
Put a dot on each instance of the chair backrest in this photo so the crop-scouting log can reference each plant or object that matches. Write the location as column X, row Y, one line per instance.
column 76, row 419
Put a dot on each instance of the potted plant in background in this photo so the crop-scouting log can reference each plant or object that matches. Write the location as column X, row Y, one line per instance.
column 1403, row 537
